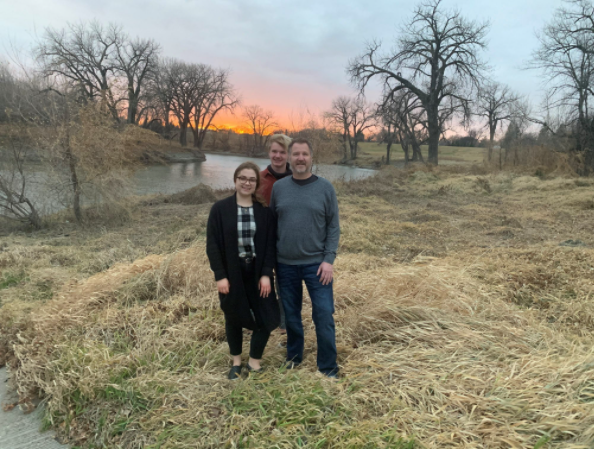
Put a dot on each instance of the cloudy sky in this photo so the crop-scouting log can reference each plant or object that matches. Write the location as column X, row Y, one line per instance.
column 286, row 56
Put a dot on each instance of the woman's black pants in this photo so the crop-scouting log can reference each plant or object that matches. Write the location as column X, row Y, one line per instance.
column 235, row 333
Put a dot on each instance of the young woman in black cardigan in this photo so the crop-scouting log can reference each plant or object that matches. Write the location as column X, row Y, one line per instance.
column 241, row 248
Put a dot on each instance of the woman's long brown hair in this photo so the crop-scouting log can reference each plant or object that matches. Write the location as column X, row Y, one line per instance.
column 256, row 197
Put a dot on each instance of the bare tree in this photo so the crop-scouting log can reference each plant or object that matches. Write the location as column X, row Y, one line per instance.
column 352, row 116
column 195, row 94
column 496, row 103
column 404, row 116
column 389, row 136
column 184, row 82
column 82, row 53
column 136, row 60
column 565, row 57
column 214, row 95
column 362, row 118
column 436, row 58
column 160, row 93
column 15, row 203
column 261, row 123
column 520, row 118
column 340, row 116
column 83, row 152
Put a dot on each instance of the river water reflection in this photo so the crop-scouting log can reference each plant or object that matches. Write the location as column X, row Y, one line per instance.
column 217, row 172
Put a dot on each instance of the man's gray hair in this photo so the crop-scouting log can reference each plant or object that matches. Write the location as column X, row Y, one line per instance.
column 301, row 140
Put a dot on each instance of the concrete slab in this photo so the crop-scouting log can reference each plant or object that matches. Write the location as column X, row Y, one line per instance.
column 19, row 430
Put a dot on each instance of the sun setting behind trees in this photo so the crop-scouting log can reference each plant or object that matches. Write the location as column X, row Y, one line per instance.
column 453, row 101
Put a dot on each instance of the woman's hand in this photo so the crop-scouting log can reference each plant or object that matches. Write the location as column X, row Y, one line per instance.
column 264, row 286
column 223, row 286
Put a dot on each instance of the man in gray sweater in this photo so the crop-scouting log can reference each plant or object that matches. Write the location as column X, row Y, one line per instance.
column 307, row 241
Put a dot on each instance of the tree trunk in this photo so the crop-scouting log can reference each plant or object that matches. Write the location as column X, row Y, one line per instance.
column 492, row 128
column 34, row 216
column 588, row 161
column 415, row 155
column 132, row 105
column 75, row 184
column 167, row 112
column 388, row 148
column 350, row 147
column 73, row 176
column 404, row 145
column 183, row 138
column 195, row 133
column 199, row 139
column 110, row 104
column 433, row 129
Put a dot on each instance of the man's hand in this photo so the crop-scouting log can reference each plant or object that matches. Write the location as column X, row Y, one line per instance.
column 264, row 286
column 223, row 286
column 325, row 272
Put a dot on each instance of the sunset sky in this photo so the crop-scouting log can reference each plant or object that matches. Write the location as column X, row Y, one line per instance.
column 286, row 56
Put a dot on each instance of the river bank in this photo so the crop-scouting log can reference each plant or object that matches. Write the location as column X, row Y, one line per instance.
column 464, row 318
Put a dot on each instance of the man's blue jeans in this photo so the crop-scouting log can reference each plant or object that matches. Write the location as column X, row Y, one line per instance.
column 290, row 279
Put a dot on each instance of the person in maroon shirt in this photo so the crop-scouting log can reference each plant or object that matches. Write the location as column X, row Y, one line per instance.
column 278, row 146
column 278, row 152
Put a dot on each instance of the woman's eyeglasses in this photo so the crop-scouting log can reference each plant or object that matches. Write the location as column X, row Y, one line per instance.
column 245, row 180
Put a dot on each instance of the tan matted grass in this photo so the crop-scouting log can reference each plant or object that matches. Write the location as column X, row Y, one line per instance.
column 461, row 322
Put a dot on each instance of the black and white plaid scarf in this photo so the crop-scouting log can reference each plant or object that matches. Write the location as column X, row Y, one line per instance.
column 246, row 230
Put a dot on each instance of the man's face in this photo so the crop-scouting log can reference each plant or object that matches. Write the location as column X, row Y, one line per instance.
column 300, row 158
column 278, row 156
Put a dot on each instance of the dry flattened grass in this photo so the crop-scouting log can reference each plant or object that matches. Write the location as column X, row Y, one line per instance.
column 558, row 282
column 477, row 373
column 196, row 195
column 427, row 352
column 478, row 340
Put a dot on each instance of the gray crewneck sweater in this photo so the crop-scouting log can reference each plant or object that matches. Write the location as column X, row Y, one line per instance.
column 308, row 227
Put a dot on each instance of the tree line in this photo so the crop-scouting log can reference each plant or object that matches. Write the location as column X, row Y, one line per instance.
column 434, row 79
column 92, row 82
column 134, row 81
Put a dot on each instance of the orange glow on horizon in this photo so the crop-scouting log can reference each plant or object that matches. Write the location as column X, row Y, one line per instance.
column 238, row 127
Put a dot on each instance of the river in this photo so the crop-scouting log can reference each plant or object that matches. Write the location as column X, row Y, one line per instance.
column 216, row 171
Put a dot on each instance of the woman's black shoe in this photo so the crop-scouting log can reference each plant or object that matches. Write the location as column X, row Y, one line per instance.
column 235, row 372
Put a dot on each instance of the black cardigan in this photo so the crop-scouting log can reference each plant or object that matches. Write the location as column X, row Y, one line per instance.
column 223, row 254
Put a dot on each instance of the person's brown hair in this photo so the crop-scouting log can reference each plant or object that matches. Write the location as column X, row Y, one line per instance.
column 301, row 140
column 256, row 197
